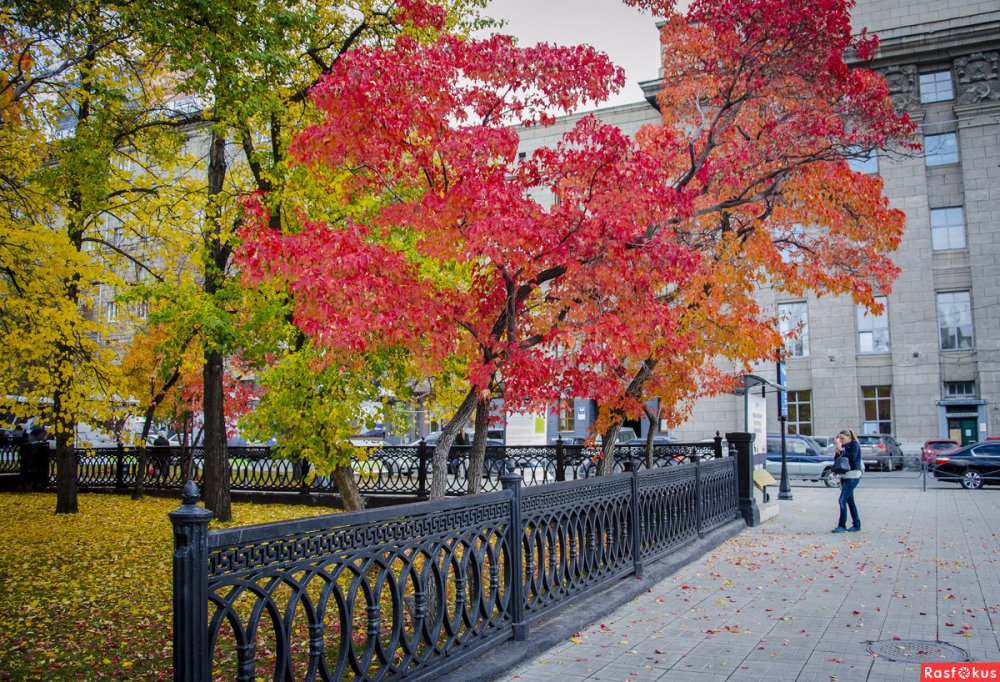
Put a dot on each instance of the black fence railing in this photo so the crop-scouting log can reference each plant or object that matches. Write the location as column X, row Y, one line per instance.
column 10, row 459
column 388, row 470
column 418, row 590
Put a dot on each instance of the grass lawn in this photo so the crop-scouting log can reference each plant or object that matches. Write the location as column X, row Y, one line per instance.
column 88, row 596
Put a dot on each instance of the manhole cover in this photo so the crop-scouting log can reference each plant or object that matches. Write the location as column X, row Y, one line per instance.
column 916, row 651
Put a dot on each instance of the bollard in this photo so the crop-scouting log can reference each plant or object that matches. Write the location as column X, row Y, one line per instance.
column 192, row 662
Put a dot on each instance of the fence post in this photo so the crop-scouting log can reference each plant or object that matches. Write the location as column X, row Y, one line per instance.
column 742, row 444
column 305, row 485
column 120, row 467
column 699, row 498
column 422, row 469
column 511, row 480
column 192, row 662
column 632, row 466
column 560, row 459
column 718, row 445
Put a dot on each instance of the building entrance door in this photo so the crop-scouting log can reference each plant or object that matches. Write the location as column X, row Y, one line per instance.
column 963, row 429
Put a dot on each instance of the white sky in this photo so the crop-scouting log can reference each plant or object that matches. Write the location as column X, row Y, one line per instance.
column 626, row 35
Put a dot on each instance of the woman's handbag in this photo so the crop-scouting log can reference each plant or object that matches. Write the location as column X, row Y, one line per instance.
column 841, row 465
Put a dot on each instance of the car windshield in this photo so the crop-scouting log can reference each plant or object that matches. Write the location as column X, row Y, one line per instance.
column 941, row 446
column 816, row 446
column 869, row 440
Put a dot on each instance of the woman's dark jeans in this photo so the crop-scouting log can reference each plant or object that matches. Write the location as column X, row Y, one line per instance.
column 847, row 486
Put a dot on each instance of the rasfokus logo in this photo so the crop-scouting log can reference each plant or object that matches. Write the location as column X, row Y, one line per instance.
column 959, row 671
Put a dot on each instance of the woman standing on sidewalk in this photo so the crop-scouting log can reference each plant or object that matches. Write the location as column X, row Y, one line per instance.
column 846, row 444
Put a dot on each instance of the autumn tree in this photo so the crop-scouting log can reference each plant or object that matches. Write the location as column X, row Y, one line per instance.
column 252, row 69
column 99, row 123
column 760, row 117
column 461, row 264
column 642, row 271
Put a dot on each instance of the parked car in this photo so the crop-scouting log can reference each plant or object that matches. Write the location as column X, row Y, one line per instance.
column 657, row 440
column 493, row 458
column 880, row 450
column 972, row 467
column 804, row 459
column 935, row 446
column 625, row 436
column 434, row 436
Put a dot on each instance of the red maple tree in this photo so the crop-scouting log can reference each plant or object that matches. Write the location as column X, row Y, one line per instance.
column 601, row 265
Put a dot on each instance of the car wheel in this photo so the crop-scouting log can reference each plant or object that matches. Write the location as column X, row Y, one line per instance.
column 830, row 479
column 971, row 480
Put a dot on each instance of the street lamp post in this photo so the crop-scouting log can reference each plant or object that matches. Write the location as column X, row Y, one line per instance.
column 784, row 491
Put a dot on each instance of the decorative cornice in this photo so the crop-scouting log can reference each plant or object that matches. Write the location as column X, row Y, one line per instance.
column 977, row 77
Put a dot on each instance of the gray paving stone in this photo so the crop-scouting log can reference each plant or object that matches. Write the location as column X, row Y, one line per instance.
column 789, row 601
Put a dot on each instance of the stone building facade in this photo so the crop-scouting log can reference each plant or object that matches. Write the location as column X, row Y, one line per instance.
column 930, row 365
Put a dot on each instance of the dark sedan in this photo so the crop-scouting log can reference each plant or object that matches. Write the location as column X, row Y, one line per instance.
column 973, row 466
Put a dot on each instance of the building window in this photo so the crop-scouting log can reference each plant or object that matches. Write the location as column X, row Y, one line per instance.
column 936, row 87
column 793, row 324
column 955, row 320
column 878, row 409
column 864, row 162
column 959, row 389
column 800, row 413
column 873, row 330
column 567, row 422
column 947, row 228
column 940, row 150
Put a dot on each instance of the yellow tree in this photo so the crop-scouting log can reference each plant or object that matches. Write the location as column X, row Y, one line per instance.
column 252, row 67
column 109, row 209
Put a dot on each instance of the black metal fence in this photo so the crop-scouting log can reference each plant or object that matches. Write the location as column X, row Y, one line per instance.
column 415, row 591
column 388, row 470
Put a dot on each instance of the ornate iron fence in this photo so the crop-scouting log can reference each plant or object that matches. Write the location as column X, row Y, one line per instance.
column 414, row 591
column 388, row 470
column 10, row 459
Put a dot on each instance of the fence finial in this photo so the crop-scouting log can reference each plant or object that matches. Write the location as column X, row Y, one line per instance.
column 190, row 494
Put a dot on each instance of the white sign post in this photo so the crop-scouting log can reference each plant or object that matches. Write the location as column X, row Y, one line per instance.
column 756, row 418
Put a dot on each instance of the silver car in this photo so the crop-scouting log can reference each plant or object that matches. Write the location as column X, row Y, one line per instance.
column 804, row 459
column 880, row 450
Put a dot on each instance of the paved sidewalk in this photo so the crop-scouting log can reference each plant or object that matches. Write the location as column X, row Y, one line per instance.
column 788, row 600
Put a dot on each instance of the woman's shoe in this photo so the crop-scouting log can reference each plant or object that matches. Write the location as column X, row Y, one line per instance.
column 839, row 529
column 854, row 529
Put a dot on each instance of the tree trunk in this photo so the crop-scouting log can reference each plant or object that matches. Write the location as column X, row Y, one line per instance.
column 607, row 465
column 347, row 486
column 439, row 480
column 477, row 454
column 66, row 489
column 217, row 255
column 633, row 390
column 216, row 455
column 140, row 475
column 654, row 427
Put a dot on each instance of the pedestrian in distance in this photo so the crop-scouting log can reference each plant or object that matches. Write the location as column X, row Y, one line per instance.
column 846, row 444
column 161, row 457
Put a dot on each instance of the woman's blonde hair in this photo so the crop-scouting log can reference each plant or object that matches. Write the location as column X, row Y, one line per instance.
column 849, row 433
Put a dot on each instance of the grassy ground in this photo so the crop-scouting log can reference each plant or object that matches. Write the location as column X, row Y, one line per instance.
column 88, row 596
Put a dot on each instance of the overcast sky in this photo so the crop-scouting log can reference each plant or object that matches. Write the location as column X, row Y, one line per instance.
column 626, row 35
